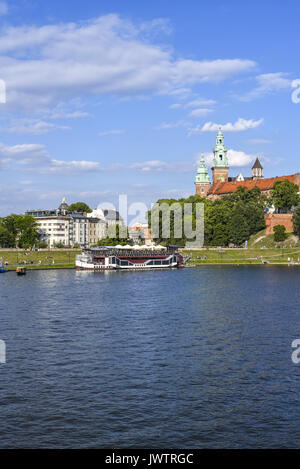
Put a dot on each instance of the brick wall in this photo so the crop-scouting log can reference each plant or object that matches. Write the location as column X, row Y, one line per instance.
column 200, row 186
column 274, row 219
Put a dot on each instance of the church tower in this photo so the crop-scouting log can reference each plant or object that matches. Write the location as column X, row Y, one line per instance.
column 257, row 170
column 220, row 162
column 202, row 181
column 63, row 206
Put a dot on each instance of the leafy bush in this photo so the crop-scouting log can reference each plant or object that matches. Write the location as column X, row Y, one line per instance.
column 279, row 233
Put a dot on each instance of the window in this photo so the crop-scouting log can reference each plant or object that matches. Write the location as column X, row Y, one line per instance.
column 202, row 189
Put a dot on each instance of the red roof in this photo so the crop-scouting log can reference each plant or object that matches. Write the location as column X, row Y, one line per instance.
column 264, row 184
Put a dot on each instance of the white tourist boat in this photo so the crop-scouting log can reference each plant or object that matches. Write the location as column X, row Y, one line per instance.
column 129, row 257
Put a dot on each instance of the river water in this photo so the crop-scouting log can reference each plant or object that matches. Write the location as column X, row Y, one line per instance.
column 187, row 358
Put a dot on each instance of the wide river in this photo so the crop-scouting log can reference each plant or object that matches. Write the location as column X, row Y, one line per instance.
column 186, row 358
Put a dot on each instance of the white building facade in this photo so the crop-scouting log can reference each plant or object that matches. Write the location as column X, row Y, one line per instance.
column 64, row 228
column 54, row 230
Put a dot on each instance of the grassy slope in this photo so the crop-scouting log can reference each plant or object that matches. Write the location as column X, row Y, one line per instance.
column 256, row 254
column 260, row 239
column 62, row 259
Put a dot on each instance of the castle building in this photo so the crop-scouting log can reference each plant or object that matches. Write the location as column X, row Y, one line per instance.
column 222, row 184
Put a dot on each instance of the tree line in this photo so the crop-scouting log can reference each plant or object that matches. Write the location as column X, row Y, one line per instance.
column 232, row 219
column 228, row 220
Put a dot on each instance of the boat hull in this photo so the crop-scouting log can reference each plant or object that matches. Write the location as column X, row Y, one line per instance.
column 99, row 268
column 106, row 258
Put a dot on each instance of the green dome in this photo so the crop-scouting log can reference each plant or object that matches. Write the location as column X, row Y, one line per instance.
column 202, row 172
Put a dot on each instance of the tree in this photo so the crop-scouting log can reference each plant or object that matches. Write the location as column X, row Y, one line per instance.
column 239, row 228
column 59, row 245
column 7, row 240
column 42, row 245
column 279, row 233
column 220, row 235
column 254, row 215
column 21, row 231
column 115, row 236
column 80, row 207
column 231, row 218
column 285, row 195
column 296, row 221
column 28, row 234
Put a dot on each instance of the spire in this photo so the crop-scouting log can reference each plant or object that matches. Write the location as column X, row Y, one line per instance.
column 63, row 206
column 220, row 151
column 257, row 164
column 257, row 170
column 202, row 172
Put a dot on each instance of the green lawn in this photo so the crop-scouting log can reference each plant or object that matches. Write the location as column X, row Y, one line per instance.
column 262, row 240
column 262, row 248
column 242, row 256
column 62, row 258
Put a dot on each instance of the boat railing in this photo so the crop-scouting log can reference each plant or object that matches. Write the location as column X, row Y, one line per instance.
column 132, row 252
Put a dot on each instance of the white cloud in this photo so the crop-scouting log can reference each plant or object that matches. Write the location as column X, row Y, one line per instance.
column 197, row 103
column 26, row 183
column 71, row 166
column 158, row 166
column 171, row 125
column 101, row 56
column 200, row 112
column 192, row 71
column 200, row 102
column 239, row 158
column 35, row 158
column 22, row 151
column 235, row 158
column 156, row 27
column 154, row 165
column 112, row 132
column 268, row 83
column 259, row 141
column 32, row 126
column 194, row 103
column 69, row 115
column 239, row 126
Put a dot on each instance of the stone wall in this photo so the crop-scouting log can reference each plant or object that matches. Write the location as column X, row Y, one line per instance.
column 274, row 219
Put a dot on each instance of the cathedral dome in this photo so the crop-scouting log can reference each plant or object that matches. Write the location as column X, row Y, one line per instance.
column 202, row 172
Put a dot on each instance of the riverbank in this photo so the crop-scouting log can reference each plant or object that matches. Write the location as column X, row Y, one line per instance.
column 65, row 259
column 39, row 260
column 223, row 256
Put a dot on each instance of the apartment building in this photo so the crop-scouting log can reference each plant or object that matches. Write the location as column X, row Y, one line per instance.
column 59, row 226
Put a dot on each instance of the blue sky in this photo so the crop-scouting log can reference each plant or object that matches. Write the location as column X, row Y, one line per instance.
column 109, row 97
